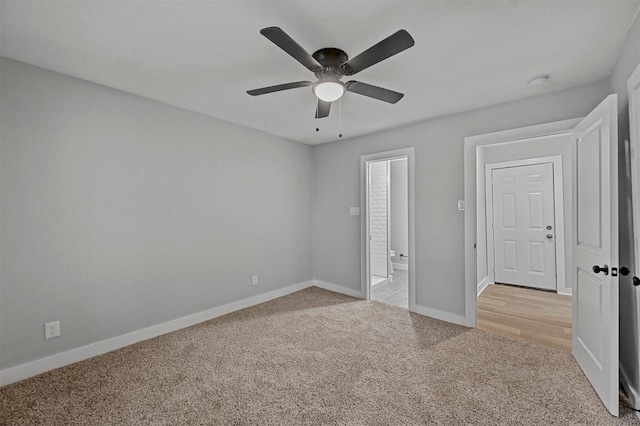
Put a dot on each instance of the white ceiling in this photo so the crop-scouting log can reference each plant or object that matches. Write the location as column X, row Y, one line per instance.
column 205, row 55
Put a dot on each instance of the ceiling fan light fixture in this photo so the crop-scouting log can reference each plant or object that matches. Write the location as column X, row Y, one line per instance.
column 329, row 91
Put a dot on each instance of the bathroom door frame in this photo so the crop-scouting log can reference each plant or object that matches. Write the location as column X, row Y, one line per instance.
column 365, row 267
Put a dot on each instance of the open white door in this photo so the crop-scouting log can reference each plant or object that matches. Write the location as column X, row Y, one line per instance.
column 595, row 251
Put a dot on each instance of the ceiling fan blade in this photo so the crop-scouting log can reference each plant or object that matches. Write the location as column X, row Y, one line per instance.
column 394, row 44
column 323, row 109
column 279, row 87
column 375, row 92
column 289, row 45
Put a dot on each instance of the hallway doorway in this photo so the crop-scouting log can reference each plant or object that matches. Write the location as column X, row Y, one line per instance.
column 388, row 229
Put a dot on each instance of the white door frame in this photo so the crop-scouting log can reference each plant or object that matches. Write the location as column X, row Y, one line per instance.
column 409, row 154
column 629, row 346
column 475, row 200
column 633, row 87
column 558, row 195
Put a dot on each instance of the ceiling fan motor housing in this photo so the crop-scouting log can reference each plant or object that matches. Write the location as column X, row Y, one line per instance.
column 331, row 59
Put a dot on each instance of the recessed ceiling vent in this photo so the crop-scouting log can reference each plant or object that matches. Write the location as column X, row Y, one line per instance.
column 539, row 80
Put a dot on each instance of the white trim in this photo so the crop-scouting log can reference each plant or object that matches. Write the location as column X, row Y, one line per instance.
column 471, row 143
column 401, row 266
column 409, row 154
column 388, row 259
column 439, row 315
column 482, row 285
column 32, row 368
column 558, row 194
column 633, row 87
column 632, row 393
column 339, row 289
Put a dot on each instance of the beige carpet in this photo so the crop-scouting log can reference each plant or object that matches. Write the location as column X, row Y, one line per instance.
column 315, row 357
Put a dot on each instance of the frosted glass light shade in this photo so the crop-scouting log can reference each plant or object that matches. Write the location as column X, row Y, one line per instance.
column 329, row 91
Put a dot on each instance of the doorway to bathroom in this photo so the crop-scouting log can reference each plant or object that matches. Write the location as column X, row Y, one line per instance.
column 387, row 224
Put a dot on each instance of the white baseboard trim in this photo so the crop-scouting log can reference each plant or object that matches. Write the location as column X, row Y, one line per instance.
column 33, row 368
column 482, row 285
column 632, row 393
column 339, row 289
column 401, row 266
column 441, row 315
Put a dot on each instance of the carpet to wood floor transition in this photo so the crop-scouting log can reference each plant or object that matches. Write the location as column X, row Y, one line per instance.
column 315, row 357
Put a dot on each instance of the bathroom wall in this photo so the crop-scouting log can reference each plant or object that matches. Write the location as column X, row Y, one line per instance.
column 399, row 211
column 378, row 218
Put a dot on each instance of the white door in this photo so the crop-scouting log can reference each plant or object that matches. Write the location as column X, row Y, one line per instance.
column 524, row 226
column 595, row 251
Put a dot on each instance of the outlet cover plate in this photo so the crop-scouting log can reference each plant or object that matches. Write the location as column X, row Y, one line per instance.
column 52, row 329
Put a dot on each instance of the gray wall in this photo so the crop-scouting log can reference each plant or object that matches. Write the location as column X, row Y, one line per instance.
column 439, row 143
column 119, row 212
column 627, row 61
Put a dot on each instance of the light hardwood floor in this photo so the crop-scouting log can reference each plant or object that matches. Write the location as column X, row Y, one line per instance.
column 526, row 314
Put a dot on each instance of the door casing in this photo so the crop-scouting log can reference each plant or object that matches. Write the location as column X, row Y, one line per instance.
column 409, row 154
column 474, row 191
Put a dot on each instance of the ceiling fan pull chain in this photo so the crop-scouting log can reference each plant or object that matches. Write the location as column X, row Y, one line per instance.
column 340, row 114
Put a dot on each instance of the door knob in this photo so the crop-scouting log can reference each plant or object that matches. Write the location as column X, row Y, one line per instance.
column 597, row 269
column 549, row 236
column 549, row 227
column 624, row 271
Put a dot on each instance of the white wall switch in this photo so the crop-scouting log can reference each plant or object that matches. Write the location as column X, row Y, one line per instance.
column 461, row 205
column 52, row 329
column 354, row 211
column 254, row 280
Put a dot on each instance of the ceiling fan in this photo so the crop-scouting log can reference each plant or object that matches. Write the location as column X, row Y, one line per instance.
column 330, row 64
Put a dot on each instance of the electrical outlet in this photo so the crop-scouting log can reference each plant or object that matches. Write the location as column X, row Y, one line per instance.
column 52, row 329
column 255, row 280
